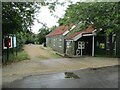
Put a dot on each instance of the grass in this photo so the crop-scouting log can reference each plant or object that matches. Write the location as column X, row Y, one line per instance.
column 55, row 55
column 21, row 55
column 52, row 53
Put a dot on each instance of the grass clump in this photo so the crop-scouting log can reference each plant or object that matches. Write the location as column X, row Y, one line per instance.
column 21, row 55
column 55, row 55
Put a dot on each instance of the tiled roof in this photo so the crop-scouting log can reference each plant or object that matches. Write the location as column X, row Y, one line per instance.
column 59, row 30
column 88, row 30
column 73, row 35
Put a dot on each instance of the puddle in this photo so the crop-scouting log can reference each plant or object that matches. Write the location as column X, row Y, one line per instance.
column 71, row 75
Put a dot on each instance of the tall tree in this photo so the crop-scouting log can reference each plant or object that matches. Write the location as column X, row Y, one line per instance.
column 103, row 15
column 17, row 16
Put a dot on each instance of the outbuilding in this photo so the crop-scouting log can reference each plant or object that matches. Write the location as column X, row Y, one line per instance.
column 74, row 43
column 56, row 39
column 88, row 42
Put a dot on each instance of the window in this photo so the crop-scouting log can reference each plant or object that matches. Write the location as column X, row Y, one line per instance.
column 69, row 44
column 60, row 39
column 60, row 46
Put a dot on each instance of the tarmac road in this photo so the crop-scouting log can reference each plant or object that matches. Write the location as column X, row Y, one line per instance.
column 106, row 77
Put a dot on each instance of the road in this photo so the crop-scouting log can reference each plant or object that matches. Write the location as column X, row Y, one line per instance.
column 87, row 78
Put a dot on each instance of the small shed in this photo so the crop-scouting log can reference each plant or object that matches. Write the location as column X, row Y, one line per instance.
column 86, row 42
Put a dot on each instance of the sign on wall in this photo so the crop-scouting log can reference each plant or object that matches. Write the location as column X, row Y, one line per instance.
column 9, row 41
column 102, row 45
column 14, row 42
column 81, row 45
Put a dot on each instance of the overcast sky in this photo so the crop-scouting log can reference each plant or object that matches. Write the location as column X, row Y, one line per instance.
column 45, row 16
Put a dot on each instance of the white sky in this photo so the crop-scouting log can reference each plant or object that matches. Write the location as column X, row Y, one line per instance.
column 44, row 16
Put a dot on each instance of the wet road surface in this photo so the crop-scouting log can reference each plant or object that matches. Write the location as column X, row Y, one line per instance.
column 25, row 68
column 106, row 77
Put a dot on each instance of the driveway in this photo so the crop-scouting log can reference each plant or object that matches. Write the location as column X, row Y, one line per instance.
column 85, row 78
column 44, row 61
column 21, row 69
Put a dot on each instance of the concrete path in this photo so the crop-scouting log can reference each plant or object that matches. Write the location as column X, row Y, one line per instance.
column 34, row 67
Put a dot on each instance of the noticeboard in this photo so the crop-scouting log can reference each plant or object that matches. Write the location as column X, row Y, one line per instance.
column 9, row 41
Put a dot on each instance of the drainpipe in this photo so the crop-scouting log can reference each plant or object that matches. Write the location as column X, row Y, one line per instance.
column 93, row 40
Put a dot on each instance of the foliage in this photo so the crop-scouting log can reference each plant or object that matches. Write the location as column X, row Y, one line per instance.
column 21, row 55
column 30, row 37
column 103, row 15
column 42, row 33
column 17, row 16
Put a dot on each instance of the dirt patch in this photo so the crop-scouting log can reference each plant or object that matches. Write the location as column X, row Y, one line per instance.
column 38, row 52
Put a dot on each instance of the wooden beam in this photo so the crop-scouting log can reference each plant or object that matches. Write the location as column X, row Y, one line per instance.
column 93, row 41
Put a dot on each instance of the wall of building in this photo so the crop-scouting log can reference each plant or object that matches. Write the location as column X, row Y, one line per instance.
column 100, row 45
column 70, row 46
column 87, row 47
column 56, row 43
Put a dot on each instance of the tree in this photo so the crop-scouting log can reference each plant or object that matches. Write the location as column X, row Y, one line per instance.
column 42, row 33
column 102, row 15
column 18, row 17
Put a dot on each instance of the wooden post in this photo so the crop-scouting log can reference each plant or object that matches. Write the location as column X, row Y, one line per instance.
column 93, row 40
column 7, row 48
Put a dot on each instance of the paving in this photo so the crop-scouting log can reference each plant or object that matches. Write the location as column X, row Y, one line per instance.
column 106, row 77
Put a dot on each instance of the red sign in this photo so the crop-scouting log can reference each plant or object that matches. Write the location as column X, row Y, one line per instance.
column 7, row 42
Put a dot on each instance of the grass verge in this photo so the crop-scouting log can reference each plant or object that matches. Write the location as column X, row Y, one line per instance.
column 52, row 54
column 21, row 55
column 55, row 55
